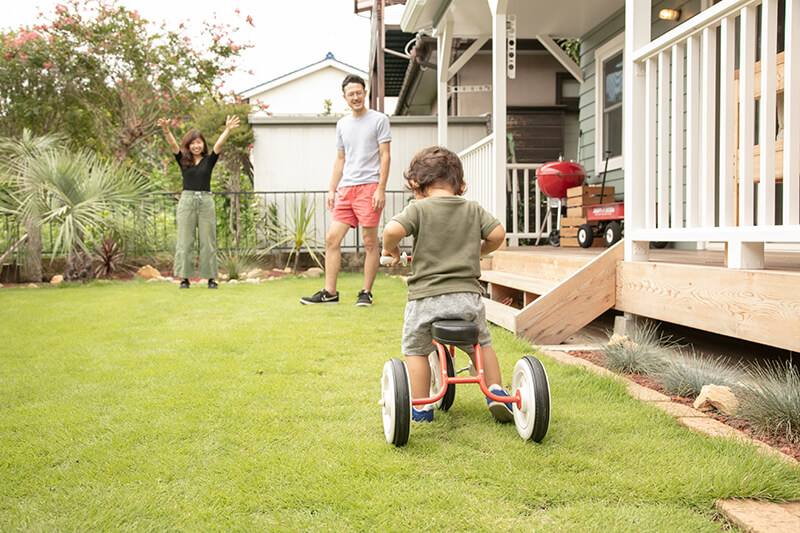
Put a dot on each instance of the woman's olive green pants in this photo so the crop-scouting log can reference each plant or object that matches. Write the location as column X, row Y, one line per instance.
column 196, row 212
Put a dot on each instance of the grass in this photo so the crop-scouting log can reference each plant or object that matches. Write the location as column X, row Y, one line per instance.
column 687, row 373
column 770, row 400
column 141, row 407
column 645, row 352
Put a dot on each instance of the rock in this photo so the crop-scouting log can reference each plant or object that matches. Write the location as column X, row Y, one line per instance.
column 32, row 286
column 314, row 272
column 256, row 273
column 57, row 279
column 622, row 340
column 234, row 281
column 288, row 270
column 252, row 280
column 716, row 397
column 148, row 272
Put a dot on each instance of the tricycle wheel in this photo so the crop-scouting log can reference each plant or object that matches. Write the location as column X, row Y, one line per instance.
column 533, row 417
column 436, row 380
column 613, row 233
column 585, row 235
column 396, row 402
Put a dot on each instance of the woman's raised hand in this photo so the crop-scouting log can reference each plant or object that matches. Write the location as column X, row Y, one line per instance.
column 163, row 123
column 231, row 122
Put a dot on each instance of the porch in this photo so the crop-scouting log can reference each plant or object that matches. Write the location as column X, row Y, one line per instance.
column 704, row 99
column 547, row 294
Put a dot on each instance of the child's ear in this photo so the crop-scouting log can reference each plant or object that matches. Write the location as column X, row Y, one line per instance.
column 463, row 187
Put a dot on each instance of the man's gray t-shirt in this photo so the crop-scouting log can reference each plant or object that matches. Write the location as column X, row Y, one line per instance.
column 359, row 138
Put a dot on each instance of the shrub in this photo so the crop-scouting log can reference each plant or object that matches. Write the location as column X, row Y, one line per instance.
column 686, row 374
column 235, row 263
column 770, row 400
column 644, row 352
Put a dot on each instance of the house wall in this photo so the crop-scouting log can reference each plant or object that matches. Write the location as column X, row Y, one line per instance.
column 306, row 95
column 297, row 153
column 534, row 86
column 597, row 37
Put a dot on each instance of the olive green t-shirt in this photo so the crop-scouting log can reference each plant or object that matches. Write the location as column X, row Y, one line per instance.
column 447, row 232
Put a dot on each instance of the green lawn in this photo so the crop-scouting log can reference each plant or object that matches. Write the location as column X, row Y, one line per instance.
column 135, row 406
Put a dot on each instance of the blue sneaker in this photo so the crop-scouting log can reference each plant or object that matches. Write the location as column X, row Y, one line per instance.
column 502, row 412
column 421, row 416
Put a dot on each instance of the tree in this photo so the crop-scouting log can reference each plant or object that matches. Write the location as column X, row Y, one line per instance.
column 99, row 73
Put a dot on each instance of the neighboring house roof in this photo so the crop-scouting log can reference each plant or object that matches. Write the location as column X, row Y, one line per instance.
column 329, row 61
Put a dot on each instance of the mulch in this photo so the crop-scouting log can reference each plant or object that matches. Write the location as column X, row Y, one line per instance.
column 779, row 443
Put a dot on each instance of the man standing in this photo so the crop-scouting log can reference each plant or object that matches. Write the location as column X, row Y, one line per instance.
column 360, row 172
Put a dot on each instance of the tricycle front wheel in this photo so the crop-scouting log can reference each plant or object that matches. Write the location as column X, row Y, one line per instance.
column 533, row 417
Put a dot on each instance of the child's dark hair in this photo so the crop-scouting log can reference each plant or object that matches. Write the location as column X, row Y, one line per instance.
column 352, row 78
column 436, row 165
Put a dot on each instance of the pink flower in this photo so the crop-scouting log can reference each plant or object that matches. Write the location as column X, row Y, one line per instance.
column 249, row 20
column 47, row 64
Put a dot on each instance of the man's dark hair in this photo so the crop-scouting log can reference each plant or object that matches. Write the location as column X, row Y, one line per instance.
column 436, row 165
column 352, row 78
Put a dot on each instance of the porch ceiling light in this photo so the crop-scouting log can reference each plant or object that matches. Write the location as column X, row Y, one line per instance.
column 669, row 14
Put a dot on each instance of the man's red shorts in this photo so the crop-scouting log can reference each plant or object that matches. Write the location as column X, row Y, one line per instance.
column 354, row 206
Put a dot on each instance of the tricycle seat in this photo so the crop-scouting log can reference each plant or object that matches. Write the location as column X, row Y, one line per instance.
column 455, row 332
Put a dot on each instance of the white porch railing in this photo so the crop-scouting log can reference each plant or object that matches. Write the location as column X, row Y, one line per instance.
column 696, row 172
column 526, row 210
column 478, row 161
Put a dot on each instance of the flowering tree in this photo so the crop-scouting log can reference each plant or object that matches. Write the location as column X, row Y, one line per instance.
column 102, row 74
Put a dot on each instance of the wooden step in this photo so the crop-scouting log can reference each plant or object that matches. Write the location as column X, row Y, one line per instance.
column 540, row 264
column 502, row 315
column 516, row 281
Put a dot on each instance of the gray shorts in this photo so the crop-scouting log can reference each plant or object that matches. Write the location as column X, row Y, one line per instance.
column 420, row 314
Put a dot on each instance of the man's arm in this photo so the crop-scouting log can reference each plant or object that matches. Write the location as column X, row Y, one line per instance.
column 379, row 198
column 338, row 170
column 393, row 233
column 494, row 240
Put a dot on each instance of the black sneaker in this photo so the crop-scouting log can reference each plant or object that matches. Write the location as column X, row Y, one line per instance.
column 212, row 284
column 184, row 284
column 322, row 297
column 364, row 299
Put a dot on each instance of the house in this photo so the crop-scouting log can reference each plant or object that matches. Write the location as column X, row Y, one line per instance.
column 305, row 91
column 686, row 105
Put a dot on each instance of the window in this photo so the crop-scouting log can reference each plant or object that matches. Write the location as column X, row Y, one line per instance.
column 608, row 98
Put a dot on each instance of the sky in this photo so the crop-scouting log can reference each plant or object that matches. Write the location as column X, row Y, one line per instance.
column 287, row 34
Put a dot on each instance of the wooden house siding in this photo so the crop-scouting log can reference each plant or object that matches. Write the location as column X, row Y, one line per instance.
column 601, row 34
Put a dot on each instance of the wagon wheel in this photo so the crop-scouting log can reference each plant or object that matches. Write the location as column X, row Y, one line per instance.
column 613, row 233
column 396, row 402
column 533, row 417
column 585, row 235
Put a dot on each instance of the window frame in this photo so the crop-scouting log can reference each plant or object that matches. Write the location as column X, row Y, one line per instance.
column 608, row 50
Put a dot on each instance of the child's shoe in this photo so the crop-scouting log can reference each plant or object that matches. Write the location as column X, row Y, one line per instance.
column 502, row 412
column 421, row 416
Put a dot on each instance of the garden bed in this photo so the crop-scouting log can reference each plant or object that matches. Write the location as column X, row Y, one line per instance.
column 782, row 444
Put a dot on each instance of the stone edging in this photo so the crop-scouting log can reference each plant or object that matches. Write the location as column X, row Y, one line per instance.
column 751, row 515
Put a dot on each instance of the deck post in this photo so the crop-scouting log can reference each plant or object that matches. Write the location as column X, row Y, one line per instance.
column 499, row 9
column 444, row 38
column 637, row 34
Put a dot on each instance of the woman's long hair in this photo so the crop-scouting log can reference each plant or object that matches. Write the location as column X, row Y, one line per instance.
column 187, row 159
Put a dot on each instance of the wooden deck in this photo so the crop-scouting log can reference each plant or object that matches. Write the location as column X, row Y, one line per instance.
column 685, row 287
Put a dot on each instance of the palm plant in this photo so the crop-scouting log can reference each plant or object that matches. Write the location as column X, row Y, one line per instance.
column 76, row 192
column 19, row 190
column 299, row 232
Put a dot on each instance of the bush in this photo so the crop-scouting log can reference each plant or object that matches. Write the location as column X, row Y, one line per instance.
column 770, row 400
column 644, row 352
column 686, row 374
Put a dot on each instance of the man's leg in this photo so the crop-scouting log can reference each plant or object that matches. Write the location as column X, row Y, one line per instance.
column 373, row 256
column 333, row 253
